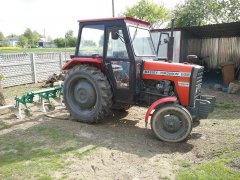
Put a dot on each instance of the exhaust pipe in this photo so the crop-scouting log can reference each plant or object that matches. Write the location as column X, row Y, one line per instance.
column 170, row 43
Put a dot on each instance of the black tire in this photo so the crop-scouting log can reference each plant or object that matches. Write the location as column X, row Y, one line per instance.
column 87, row 94
column 171, row 123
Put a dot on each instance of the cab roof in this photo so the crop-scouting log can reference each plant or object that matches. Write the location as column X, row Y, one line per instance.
column 126, row 19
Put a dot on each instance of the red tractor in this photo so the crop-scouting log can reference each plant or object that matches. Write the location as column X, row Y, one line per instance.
column 115, row 66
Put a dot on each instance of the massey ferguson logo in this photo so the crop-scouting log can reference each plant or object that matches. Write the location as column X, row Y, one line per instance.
column 167, row 73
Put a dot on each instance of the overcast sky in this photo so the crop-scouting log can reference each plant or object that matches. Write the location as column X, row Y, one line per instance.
column 58, row 16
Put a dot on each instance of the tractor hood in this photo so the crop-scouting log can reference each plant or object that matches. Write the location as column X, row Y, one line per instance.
column 159, row 68
column 182, row 75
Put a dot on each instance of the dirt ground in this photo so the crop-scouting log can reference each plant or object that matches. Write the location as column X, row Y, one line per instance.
column 122, row 148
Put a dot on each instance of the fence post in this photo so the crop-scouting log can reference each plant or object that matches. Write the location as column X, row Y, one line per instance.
column 60, row 61
column 32, row 57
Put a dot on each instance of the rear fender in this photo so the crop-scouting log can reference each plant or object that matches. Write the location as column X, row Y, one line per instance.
column 76, row 61
column 158, row 102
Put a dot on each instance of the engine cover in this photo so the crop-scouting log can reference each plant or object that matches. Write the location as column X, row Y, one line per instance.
column 179, row 74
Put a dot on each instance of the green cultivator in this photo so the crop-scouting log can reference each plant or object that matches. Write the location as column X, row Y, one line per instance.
column 43, row 95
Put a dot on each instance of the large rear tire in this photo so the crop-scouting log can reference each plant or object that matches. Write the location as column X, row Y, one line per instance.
column 87, row 94
column 171, row 123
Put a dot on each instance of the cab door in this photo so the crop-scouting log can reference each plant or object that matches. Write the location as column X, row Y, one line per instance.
column 119, row 67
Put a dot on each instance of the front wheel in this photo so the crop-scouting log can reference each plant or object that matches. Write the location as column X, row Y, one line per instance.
column 171, row 123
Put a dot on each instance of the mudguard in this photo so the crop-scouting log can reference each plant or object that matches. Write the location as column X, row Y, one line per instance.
column 75, row 61
column 156, row 103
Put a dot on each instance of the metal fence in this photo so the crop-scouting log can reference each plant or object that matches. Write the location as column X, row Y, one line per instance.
column 20, row 69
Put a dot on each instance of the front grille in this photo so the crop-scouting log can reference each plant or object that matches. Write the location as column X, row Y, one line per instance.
column 196, row 83
column 199, row 83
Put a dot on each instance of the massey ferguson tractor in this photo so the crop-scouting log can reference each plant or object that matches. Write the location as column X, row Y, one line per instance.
column 115, row 65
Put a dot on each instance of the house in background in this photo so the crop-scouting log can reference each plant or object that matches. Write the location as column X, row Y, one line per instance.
column 42, row 43
column 11, row 41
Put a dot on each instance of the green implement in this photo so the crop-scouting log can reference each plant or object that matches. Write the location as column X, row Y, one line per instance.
column 42, row 95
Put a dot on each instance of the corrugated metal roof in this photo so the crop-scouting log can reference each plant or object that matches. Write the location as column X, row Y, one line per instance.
column 212, row 30
column 215, row 30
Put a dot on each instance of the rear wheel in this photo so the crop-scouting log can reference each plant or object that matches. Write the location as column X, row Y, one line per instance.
column 87, row 94
column 171, row 123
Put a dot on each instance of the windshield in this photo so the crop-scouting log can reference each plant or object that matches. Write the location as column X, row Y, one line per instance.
column 141, row 41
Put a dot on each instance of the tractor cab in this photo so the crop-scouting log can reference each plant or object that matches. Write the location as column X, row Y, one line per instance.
column 119, row 45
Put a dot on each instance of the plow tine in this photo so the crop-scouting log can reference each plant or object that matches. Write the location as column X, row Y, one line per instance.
column 28, row 98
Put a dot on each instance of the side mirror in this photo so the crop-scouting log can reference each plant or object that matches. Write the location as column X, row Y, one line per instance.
column 165, row 37
column 115, row 34
column 166, row 40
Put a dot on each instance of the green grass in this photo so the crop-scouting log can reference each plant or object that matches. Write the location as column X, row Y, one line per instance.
column 36, row 50
column 37, row 152
column 85, row 151
column 3, row 125
column 227, row 106
column 215, row 169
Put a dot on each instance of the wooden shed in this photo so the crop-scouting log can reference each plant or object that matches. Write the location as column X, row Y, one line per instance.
column 217, row 43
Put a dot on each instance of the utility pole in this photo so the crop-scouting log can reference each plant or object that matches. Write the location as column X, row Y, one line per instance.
column 113, row 8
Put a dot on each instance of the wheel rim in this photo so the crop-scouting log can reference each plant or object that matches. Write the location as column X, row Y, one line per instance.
column 82, row 94
column 171, row 125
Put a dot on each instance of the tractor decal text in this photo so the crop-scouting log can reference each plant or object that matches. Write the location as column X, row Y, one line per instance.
column 183, row 84
column 167, row 73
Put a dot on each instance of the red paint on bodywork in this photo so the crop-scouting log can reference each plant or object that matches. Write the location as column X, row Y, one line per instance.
column 159, row 101
column 126, row 19
column 183, row 92
column 75, row 61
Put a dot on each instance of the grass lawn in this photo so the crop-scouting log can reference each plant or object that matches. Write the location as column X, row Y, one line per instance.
column 34, row 50
column 224, row 167
column 38, row 151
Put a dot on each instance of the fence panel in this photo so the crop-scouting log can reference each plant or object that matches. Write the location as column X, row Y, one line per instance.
column 25, row 68
column 16, row 69
column 46, row 64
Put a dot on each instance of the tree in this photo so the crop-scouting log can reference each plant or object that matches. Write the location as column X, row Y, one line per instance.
column 69, row 34
column 1, row 36
column 89, row 43
column 202, row 12
column 225, row 11
column 148, row 11
column 60, row 42
column 70, row 39
column 22, row 41
column 32, row 37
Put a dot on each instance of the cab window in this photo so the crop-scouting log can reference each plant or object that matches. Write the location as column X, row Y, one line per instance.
column 92, row 41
